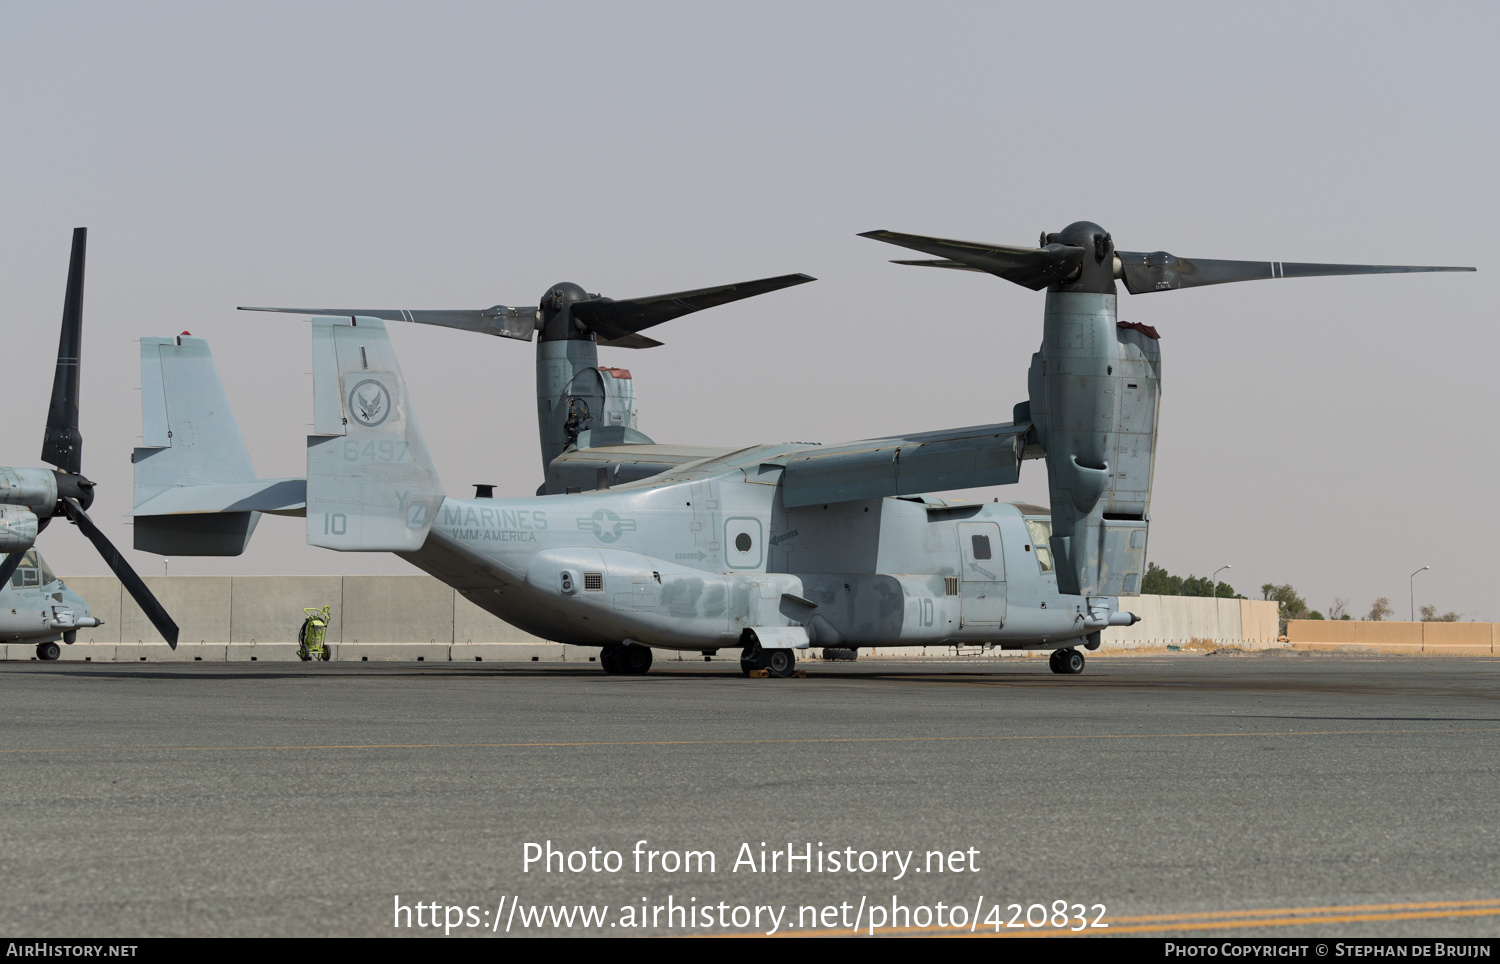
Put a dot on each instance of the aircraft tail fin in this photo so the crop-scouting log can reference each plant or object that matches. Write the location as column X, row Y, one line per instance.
column 371, row 483
column 196, row 492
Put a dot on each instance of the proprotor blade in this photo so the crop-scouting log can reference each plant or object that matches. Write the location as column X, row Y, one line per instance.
column 154, row 610
column 616, row 323
column 1160, row 271
column 8, row 566
column 62, row 445
column 1033, row 268
column 518, row 323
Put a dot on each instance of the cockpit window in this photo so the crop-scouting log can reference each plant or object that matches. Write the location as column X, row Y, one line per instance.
column 1041, row 537
column 32, row 572
column 981, row 546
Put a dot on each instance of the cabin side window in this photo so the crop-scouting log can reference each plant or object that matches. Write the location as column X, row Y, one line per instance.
column 1041, row 538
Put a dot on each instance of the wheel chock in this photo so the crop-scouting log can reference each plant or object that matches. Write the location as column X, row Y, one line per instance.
column 802, row 674
column 760, row 674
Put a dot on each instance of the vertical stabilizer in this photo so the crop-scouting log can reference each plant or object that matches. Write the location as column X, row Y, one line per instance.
column 371, row 484
column 196, row 493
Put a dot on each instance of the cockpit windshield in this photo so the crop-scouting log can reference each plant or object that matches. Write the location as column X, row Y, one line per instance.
column 33, row 571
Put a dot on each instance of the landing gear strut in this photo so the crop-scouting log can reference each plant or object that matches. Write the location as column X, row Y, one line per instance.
column 47, row 651
column 620, row 660
column 1068, row 662
column 781, row 663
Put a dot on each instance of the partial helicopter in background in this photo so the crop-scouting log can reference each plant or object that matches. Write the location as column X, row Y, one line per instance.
column 35, row 603
column 631, row 545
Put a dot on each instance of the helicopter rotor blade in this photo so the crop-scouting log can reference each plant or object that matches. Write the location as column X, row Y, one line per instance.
column 618, row 323
column 8, row 566
column 517, row 323
column 133, row 583
column 1160, row 271
column 1033, row 268
column 62, row 445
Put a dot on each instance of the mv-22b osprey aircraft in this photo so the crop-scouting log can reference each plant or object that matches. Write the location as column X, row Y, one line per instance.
column 630, row 545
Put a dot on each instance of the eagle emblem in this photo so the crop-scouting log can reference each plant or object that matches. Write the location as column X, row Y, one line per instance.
column 369, row 403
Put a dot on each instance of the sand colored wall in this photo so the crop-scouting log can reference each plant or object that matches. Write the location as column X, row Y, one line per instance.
column 1476, row 639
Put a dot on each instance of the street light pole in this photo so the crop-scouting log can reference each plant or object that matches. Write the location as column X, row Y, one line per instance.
column 1215, row 578
column 1412, row 585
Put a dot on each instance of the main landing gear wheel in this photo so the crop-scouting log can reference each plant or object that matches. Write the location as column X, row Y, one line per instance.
column 1068, row 662
column 620, row 660
column 635, row 660
column 47, row 651
column 781, row 663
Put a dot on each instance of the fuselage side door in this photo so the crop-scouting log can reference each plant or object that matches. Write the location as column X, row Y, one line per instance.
column 982, row 582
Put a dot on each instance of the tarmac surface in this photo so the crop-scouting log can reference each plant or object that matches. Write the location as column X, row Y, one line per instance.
column 1300, row 795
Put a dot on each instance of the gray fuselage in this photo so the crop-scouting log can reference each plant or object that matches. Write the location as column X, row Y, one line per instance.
column 694, row 564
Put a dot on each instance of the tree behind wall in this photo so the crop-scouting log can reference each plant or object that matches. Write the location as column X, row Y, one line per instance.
column 1289, row 605
column 1380, row 610
column 1159, row 582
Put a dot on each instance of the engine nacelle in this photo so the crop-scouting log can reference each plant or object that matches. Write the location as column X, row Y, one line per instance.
column 18, row 527
column 36, row 489
column 1094, row 387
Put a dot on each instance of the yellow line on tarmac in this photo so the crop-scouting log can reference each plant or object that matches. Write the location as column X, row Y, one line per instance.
column 1204, row 920
column 1262, row 734
column 1336, row 909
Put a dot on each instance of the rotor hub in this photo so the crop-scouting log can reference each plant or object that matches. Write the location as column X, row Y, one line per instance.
column 557, row 319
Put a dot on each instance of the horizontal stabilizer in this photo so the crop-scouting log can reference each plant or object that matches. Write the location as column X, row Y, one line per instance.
column 278, row 496
column 371, row 484
column 928, row 462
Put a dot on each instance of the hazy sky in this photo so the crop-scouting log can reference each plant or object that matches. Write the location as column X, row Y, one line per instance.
column 1331, row 433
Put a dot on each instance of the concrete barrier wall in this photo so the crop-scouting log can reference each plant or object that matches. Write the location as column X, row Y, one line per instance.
column 1458, row 639
column 1179, row 620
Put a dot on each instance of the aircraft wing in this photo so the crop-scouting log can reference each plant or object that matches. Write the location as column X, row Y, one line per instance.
column 960, row 458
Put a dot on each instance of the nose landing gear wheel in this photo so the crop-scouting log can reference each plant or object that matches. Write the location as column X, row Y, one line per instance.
column 47, row 651
column 1068, row 662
